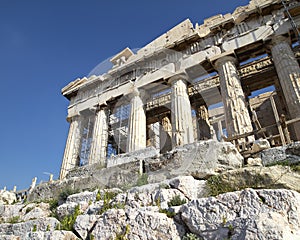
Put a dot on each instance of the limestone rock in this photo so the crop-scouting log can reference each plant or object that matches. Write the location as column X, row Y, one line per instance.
column 289, row 153
column 22, row 228
column 200, row 160
column 84, row 223
column 136, row 224
column 7, row 197
column 260, row 144
column 190, row 187
column 254, row 162
column 35, row 211
column 9, row 237
column 85, row 196
column 53, row 235
column 258, row 177
column 8, row 212
column 247, row 214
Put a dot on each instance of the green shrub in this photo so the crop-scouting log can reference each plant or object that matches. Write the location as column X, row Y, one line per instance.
column 34, row 229
column 107, row 197
column 67, row 222
column 48, row 228
column 176, row 201
column 28, row 209
column 63, row 195
column 14, row 219
column 170, row 214
column 142, row 180
column 215, row 186
column 122, row 234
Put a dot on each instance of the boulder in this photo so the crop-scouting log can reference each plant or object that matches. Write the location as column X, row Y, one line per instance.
column 254, row 162
column 200, row 160
column 22, row 228
column 84, row 224
column 247, row 214
column 255, row 177
column 136, row 224
column 53, row 235
column 289, row 154
column 259, row 145
column 8, row 212
column 7, row 197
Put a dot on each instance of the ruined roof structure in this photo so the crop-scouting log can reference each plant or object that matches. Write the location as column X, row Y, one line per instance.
column 192, row 83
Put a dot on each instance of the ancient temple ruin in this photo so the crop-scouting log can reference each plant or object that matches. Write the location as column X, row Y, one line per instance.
column 234, row 78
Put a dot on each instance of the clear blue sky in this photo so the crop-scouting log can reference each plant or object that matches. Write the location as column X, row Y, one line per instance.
column 45, row 44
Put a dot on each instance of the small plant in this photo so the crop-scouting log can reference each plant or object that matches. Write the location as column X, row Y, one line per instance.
column 28, row 209
column 65, row 193
column 158, row 202
column 176, row 201
column 48, row 228
column 91, row 237
column 34, row 229
column 67, row 222
column 122, row 234
column 216, row 186
column 142, row 180
column 164, row 186
column 98, row 196
column 14, row 219
column 107, row 198
column 170, row 214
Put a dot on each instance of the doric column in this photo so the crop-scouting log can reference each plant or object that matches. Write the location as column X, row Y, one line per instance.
column 137, row 123
column 203, row 123
column 237, row 117
column 288, row 71
column 100, row 137
column 72, row 150
column 165, row 135
column 181, row 113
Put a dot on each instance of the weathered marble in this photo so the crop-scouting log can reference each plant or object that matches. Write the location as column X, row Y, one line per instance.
column 137, row 123
column 100, row 136
column 181, row 113
column 237, row 117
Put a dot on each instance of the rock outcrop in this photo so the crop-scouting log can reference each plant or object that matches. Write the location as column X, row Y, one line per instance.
column 172, row 209
column 198, row 191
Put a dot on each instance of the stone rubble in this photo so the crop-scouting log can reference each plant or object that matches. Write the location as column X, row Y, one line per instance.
column 138, row 214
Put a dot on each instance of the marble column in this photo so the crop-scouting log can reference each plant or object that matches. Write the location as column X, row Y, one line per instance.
column 181, row 113
column 203, row 123
column 288, row 71
column 100, row 137
column 237, row 116
column 72, row 149
column 165, row 135
column 137, row 123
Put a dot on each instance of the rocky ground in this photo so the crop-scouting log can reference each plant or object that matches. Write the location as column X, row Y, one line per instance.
column 260, row 200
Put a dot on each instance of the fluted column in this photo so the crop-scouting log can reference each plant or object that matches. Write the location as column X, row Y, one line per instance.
column 137, row 123
column 100, row 137
column 288, row 71
column 165, row 135
column 237, row 117
column 203, row 123
column 181, row 113
column 72, row 150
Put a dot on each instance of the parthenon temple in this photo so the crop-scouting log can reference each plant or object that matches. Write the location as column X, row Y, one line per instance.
column 235, row 78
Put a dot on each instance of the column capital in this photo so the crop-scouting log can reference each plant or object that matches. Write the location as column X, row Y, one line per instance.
column 137, row 93
column 223, row 60
column 180, row 76
column 72, row 118
column 278, row 39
